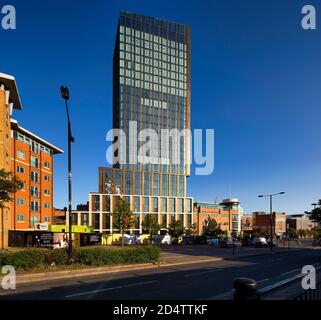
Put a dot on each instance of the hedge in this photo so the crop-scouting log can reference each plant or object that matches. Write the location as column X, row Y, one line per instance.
column 98, row 256
column 29, row 259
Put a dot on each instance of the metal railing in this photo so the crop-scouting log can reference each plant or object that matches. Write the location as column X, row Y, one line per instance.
column 287, row 289
column 311, row 294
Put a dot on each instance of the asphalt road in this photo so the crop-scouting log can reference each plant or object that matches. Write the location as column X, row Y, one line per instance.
column 201, row 281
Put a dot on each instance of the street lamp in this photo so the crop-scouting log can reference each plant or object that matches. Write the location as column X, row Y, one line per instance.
column 65, row 95
column 271, row 214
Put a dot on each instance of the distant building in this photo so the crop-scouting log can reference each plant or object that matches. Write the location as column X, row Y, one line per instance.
column 227, row 215
column 300, row 222
column 247, row 223
column 262, row 222
column 59, row 216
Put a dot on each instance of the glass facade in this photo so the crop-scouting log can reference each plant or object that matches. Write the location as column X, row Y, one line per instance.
column 151, row 87
column 151, row 84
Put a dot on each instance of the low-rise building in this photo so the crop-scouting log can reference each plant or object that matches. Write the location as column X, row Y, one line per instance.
column 262, row 222
column 247, row 223
column 227, row 215
column 299, row 222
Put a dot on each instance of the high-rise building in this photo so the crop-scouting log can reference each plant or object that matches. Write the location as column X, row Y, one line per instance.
column 151, row 90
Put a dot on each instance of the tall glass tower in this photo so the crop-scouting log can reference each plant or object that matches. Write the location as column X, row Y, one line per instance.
column 151, row 88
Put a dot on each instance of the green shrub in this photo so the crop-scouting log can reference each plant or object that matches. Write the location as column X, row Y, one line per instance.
column 4, row 258
column 28, row 259
column 98, row 256
column 57, row 256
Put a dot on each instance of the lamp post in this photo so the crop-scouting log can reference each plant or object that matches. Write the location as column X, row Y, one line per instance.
column 65, row 95
column 271, row 214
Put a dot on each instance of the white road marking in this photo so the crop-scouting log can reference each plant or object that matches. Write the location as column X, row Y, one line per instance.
column 200, row 273
column 262, row 280
column 288, row 272
column 110, row 289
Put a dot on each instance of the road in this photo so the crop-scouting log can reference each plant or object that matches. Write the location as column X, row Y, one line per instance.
column 199, row 281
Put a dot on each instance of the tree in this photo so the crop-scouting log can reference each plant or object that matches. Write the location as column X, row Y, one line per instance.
column 292, row 233
column 315, row 214
column 176, row 229
column 9, row 185
column 123, row 218
column 192, row 229
column 211, row 228
column 302, row 233
column 150, row 224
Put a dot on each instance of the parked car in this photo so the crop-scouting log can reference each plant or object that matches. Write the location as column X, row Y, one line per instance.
column 213, row 242
column 188, row 240
column 129, row 239
column 162, row 239
column 226, row 243
column 167, row 239
column 260, row 243
column 247, row 242
column 200, row 240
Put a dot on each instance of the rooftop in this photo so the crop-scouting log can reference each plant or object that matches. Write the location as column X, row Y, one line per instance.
column 10, row 84
column 15, row 125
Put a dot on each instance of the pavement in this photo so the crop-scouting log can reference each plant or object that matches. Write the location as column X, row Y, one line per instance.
column 198, row 275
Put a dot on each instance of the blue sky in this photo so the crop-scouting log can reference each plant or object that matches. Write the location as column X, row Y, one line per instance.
column 256, row 79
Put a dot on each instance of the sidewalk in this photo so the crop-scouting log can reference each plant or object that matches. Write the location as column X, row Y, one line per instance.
column 170, row 257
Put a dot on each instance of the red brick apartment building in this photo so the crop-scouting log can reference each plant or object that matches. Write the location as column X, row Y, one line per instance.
column 32, row 163
column 29, row 158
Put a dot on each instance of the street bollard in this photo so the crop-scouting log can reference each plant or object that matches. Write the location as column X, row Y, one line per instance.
column 245, row 289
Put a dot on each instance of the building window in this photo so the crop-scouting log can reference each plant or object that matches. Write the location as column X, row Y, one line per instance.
column 34, row 191
column 47, row 178
column 172, row 205
column 47, row 192
column 47, row 219
column 21, row 218
column 47, row 205
column 34, row 147
column 21, row 170
column 34, row 220
column 146, row 205
column 34, row 162
column 34, row 206
column 21, row 201
column 46, row 164
column 21, row 154
column 34, row 176
column 137, row 204
column 155, row 204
